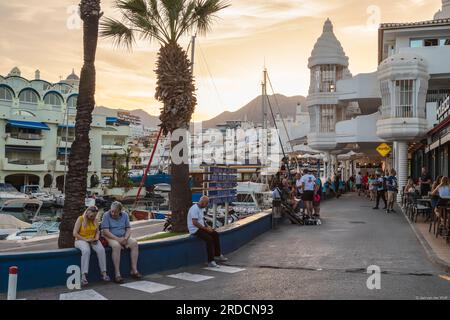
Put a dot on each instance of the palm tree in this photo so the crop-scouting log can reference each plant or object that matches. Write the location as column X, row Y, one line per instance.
column 166, row 21
column 76, row 186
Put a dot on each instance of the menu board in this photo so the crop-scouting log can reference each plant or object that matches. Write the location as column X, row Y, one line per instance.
column 220, row 184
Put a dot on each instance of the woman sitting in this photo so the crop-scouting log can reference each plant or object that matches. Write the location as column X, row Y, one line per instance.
column 443, row 191
column 435, row 196
column 87, row 234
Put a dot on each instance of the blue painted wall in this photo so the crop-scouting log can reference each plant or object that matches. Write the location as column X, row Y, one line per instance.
column 48, row 269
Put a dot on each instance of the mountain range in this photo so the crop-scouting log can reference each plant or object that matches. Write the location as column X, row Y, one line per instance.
column 252, row 111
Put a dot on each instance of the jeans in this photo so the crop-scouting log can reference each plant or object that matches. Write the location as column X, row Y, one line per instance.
column 85, row 248
column 212, row 243
column 381, row 194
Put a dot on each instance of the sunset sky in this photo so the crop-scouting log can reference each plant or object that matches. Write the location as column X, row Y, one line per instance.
column 43, row 34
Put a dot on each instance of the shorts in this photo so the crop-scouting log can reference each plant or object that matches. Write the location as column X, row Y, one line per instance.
column 391, row 196
column 359, row 186
column 308, row 196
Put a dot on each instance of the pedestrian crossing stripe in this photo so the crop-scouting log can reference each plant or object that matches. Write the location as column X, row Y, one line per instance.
column 225, row 269
column 82, row 295
column 147, row 286
column 190, row 277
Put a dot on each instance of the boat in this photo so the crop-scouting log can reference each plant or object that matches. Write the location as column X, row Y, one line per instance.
column 59, row 201
column 35, row 192
column 37, row 229
column 252, row 197
column 10, row 224
column 8, row 192
column 26, row 210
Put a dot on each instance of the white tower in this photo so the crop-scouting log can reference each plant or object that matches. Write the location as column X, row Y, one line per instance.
column 328, row 64
column 444, row 13
column 15, row 72
column 404, row 84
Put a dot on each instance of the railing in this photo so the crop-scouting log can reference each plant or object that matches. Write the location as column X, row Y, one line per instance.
column 444, row 109
column 404, row 112
column 68, row 139
column 26, row 136
column 26, row 162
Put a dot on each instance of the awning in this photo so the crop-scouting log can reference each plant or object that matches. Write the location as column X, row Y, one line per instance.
column 70, row 126
column 22, row 149
column 28, row 125
column 62, row 151
column 111, row 120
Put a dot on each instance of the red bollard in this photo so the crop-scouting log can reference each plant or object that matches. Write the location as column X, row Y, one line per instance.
column 12, row 283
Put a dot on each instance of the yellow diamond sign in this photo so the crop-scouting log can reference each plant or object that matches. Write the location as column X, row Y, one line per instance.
column 384, row 149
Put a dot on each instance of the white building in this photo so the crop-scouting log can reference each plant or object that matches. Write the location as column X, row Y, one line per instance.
column 37, row 126
column 397, row 103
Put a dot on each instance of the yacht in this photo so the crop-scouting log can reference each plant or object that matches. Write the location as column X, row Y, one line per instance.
column 8, row 192
column 35, row 192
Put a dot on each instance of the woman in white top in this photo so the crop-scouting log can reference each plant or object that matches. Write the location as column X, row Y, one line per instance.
column 443, row 190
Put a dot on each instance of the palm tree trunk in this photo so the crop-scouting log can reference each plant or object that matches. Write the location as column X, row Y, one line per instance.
column 176, row 89
column 76, row 185
column 180, row 193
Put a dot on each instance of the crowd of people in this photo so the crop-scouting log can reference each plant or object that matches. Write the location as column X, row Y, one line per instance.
column 379, row 186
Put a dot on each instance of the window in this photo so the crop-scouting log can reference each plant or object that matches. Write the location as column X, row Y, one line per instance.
column 327, row 118
column 23, row 113
column 72, row 102
column 445, row 42
column 28, row 96
column 404, row 98
column 53, row 100
column 5, row 94
column 416, row 43
column 431, row 42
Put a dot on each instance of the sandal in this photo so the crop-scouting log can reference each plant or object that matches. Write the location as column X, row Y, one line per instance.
column 84, row 282
column 106, row 278
column 136, row 275
column 118, row 280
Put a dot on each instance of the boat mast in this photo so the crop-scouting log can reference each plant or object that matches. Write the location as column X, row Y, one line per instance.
column 264, row 137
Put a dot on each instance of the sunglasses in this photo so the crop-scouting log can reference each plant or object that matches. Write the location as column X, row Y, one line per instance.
column 93, row 209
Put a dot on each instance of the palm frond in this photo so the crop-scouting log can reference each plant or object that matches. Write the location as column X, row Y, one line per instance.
column 205, row 13
column 122, row 35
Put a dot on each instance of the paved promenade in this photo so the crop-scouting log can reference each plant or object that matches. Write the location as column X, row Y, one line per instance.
column 292, row 262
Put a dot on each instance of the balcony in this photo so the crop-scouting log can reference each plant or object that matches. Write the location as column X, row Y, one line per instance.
column 25, row 139
column 118, row 149
column 24, row 165
column 60, row 166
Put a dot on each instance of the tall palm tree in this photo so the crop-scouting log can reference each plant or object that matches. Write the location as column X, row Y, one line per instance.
column 76, row 183
column 166, row 21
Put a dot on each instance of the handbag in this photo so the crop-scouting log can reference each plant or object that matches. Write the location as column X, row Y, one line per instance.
column 317, row 198
column 103, row 241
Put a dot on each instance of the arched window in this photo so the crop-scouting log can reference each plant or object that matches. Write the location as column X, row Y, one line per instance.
column 28, row 96
column 5, row 94
column 53, row 99
column 72, row 102
column 23, row 113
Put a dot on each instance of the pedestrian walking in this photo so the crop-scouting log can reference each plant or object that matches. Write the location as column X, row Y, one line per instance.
column 392, row 190
column 380, row 185
column 359, row 183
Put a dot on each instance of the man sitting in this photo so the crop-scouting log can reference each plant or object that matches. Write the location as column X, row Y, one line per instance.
column 117, row 231
column 197, row 227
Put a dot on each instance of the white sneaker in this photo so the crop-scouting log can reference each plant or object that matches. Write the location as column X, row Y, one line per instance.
column 213, row 264
column 221, row 258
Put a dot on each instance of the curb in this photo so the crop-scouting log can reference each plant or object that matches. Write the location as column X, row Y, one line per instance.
column 432, row 256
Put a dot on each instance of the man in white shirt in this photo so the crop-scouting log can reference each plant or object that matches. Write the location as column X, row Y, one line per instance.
column 197, row 227
column 308, row 186
column 358, row 182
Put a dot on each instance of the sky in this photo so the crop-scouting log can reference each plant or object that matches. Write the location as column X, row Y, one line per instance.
column 280, row 34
